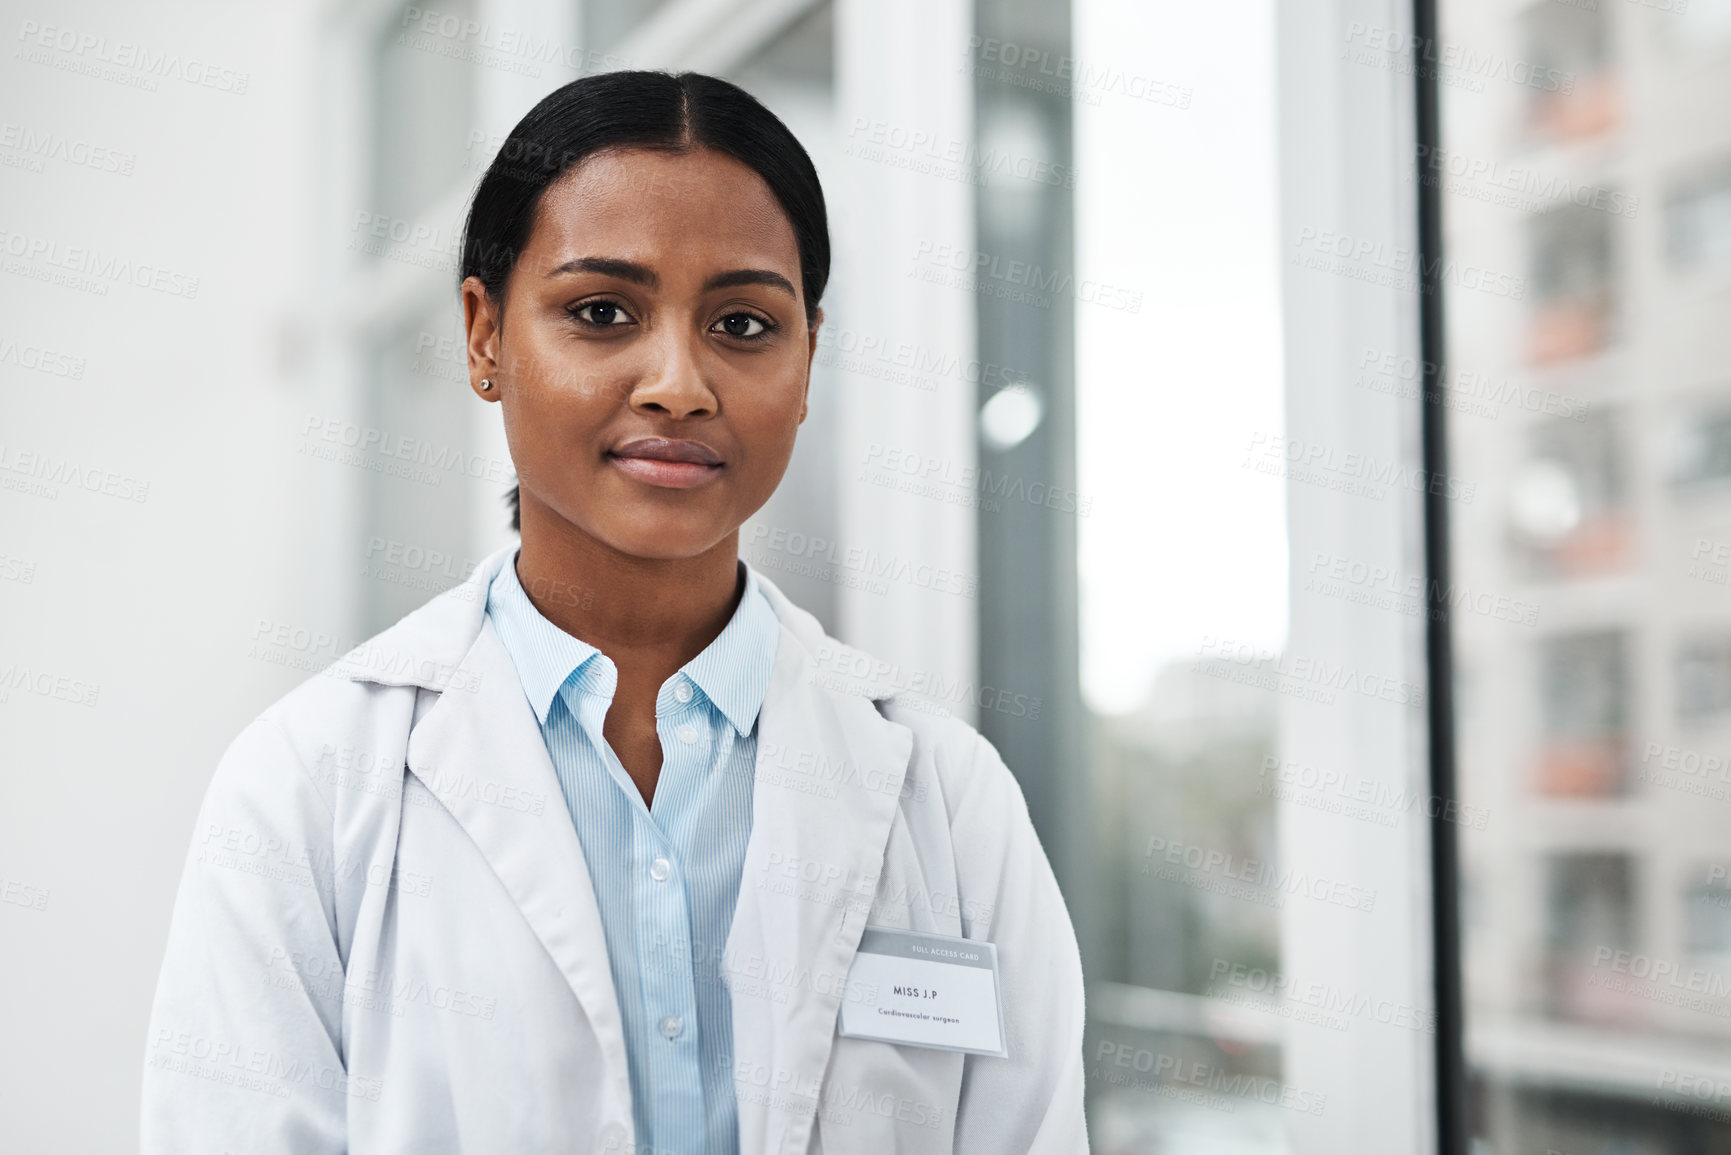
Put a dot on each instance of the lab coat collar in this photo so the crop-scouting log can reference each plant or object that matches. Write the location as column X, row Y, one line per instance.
column 426, row 647
column 827, row 783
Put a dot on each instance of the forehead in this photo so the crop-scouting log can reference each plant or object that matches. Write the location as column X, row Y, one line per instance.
column 644, row 204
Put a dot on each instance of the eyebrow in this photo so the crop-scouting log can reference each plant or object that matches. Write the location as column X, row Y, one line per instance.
column 643, row 275
column 611, row 267
column 750, row 277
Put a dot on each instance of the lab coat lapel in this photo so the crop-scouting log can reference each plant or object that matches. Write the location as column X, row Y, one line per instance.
column 826, row 786
column 828, row 776
column 480, row 751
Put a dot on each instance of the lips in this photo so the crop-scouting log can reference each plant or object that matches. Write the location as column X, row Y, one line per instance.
column 667, row 463
column 661, row 449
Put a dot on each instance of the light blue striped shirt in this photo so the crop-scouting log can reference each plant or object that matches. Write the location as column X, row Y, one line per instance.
column 667, row 875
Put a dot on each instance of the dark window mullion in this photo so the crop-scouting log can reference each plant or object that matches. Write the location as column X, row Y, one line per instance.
column 1453, row 1129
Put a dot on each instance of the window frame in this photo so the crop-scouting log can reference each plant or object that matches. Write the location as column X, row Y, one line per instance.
column 1453, row 1108
column 1351, row 120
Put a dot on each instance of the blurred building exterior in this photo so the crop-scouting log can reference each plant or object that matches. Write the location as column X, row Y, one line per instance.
column 1592, row 618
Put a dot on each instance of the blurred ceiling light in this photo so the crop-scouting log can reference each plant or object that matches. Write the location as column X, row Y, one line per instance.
column 1017, row 166
column 1010, row 416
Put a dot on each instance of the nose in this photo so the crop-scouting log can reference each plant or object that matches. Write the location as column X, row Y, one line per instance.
column 672, row 383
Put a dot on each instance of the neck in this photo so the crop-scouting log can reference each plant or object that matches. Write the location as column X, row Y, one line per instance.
column 659, row 611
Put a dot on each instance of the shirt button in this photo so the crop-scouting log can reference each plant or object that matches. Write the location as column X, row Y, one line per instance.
column 687, row 733
column 661, row 869
column 671, row 1026
column 682, row 690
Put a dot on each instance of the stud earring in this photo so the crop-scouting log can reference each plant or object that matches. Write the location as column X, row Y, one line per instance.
column 485, row 384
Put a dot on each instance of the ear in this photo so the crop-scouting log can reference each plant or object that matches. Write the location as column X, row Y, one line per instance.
column 481, row 325
column 810, row 356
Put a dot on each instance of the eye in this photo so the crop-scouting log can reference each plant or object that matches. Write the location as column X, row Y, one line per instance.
column 742, row 325
column 602, row 314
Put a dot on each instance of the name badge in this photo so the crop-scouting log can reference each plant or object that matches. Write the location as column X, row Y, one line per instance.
column 925, row 990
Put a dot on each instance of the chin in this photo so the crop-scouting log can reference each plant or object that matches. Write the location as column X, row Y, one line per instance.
column 662, row 539
column 629, row 525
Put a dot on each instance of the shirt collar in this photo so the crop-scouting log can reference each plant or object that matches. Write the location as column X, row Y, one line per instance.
column 545, row 655
column 732, row 671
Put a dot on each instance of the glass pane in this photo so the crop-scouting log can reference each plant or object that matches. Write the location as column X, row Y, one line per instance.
column 1180, row 548
column 609, row 23
column 1595, row 714
column 1698, row 223
column 423, row 101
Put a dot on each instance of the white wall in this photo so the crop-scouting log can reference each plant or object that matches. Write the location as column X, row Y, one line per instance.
column 152, row 603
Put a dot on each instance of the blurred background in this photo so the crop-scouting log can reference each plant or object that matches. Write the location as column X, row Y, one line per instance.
column 1118, row 397
column 1594, row 707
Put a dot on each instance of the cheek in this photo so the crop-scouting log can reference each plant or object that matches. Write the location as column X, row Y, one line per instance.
column 558, row 387
column 768, row 434
column 551, row 429
column 769, row 406
column 545, row 359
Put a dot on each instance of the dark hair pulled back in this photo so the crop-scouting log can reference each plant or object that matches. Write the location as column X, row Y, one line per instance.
column 655, row 110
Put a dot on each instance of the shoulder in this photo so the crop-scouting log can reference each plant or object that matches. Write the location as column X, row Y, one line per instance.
column 425, row 650
column 326, row 745
column 970, row 775
column 957, row 751
column 324, row 718
column 353, row 717
column 949, row 756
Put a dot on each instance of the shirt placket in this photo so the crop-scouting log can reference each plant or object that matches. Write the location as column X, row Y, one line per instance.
column 716, row 1043
column 672, row 1007
column 657, row 887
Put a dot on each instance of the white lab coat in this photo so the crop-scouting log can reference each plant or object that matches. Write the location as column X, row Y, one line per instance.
column 386, row 939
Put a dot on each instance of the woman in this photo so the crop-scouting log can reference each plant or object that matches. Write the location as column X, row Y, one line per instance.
column 596, row 852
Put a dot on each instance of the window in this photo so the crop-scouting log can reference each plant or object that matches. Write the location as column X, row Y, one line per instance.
column 1570, row 86
column 1708, row 915
column 1704, row 679
column 1583, row 681
column 1181, row 559
column 1698, row 223
column 1701, row 449
column 423, row 94
column 1573, row 283
column 1594, row 966
column 1589, row 910
column 1567, row 504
